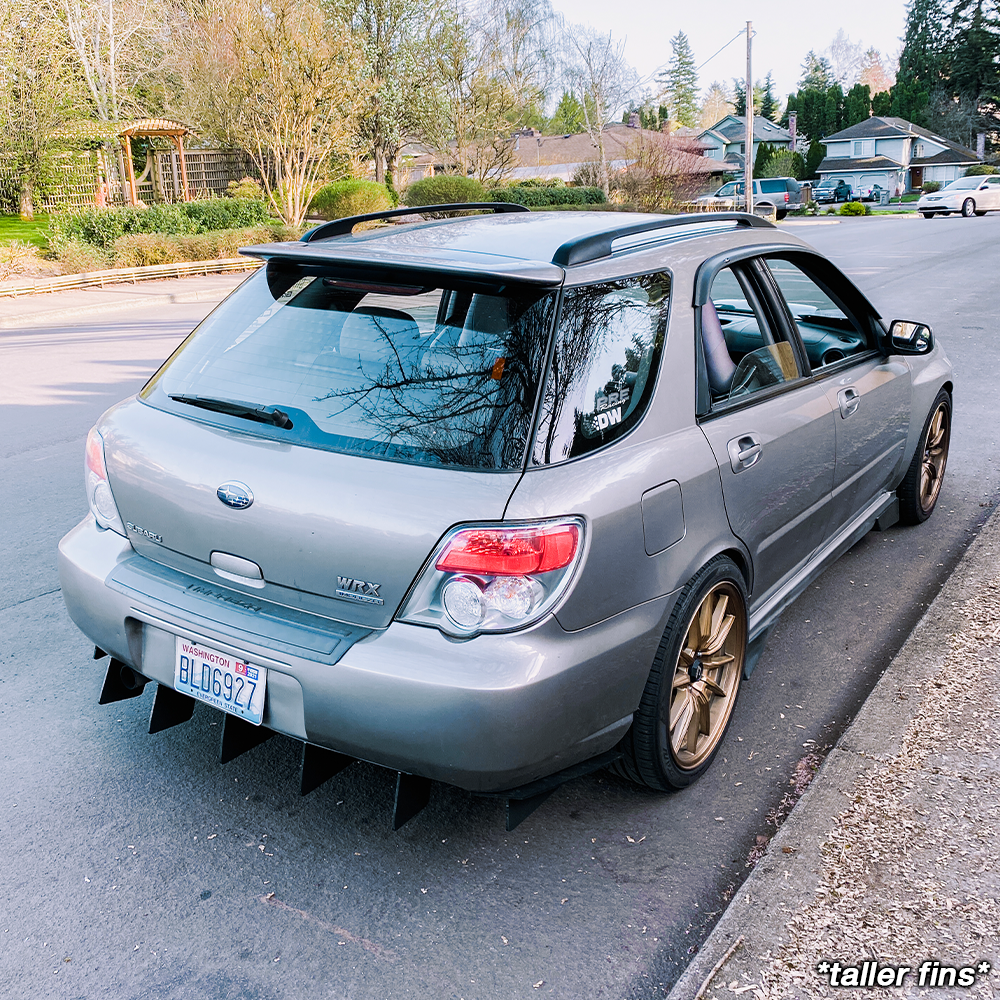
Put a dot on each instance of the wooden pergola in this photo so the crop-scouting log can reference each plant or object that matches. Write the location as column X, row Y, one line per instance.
column 147, row 128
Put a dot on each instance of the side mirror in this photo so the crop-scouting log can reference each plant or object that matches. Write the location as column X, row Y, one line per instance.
column 908, row 337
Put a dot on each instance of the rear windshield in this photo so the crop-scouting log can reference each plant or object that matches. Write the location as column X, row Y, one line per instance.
column 437, row 373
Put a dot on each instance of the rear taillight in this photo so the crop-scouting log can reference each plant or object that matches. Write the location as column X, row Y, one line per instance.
column 496, row 578
column 99, row 495
column 786, row 197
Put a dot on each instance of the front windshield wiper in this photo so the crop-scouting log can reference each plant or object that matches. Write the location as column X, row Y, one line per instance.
column 262, row 414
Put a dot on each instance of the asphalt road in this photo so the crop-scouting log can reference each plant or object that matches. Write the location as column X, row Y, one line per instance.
column 137, row 866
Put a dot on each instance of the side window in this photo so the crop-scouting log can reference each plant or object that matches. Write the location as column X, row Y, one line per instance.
column 828, row 331
column 604, row 362
column 744, row 349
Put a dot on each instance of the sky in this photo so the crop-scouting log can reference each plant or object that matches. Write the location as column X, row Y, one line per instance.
column 784, row 32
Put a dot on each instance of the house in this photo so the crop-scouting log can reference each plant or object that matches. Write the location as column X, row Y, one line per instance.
column 895, row 154
column 563, row 156
column 726, row 139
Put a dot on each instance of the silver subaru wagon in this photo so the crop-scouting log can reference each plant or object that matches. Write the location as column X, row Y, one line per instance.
column 498, row 499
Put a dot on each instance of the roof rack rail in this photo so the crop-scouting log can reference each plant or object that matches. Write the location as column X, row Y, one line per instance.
column 597, row 245
column 341, row 227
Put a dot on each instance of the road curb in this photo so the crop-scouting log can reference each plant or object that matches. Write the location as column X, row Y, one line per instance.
column 754, row 926
column 112, row 306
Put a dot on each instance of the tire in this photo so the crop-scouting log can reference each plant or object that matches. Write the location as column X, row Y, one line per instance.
column 918, row 493
column 780, row 214
column 968, row 208
column 694, row 682
column 927, row 215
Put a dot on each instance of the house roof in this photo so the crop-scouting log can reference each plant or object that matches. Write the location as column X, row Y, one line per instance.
column 733, row 128
column 544, row 152
column 945, row 156
column 841, row 164
column 887, row 127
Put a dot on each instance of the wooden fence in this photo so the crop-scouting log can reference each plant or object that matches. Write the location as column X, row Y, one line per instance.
column 78, row 177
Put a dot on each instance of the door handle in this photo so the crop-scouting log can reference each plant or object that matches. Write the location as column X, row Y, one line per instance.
column 849, row 399
column 744, row 452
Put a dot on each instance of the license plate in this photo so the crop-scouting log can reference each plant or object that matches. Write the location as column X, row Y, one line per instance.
column 221, row 680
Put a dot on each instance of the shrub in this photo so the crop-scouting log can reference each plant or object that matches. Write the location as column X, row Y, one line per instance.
column 142, row 249
column 978, row 169
column 854, row 208
column 102, row 227
column 535, row 197
column 75, row 256
column 246, row 187
column 15, row 255
column 446, row 189
column 351, row 197
column 930, row 187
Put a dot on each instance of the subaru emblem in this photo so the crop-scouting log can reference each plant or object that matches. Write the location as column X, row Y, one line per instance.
column 234, row 494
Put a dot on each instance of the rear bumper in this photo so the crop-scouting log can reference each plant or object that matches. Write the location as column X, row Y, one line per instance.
column 484, row 714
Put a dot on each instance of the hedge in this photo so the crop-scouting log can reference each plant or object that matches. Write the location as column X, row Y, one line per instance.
column 446, row 189
column 535, row 197
column 101, row 227
column 350, row 197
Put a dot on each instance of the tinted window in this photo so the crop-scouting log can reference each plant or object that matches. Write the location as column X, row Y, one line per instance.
column 606, row 353
column 772, row 186
column 432, row 374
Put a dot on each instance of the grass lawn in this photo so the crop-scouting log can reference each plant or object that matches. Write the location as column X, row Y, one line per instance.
column 12, row 228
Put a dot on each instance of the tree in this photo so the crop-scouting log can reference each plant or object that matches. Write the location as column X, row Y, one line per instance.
column 784, row 163
column 681, row 81
column 602, row 81
column 857, row 105
column 715, row 105
column 845, row 58
column 768, row 104
column 40, row 94
column 117, row 44
column 764, row 153
column 817, row 73
column 568, row 117
column 874, row 74
column 814, row 157
column 739, row 97
column 394, row 39
column 286, row 83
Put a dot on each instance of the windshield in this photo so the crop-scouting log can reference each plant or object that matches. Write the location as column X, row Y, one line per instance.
column 964, row 184
column 440, row 373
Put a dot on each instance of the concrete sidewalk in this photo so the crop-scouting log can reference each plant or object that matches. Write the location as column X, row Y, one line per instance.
column 891, row 859
column 55, row 307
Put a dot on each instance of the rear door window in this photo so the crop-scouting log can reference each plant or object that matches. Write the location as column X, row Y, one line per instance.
column 604, row 362
column 435, row 372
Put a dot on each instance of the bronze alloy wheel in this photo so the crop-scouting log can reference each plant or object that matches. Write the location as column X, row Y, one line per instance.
column 935, row 457
column 921, row 486
column 707, row 676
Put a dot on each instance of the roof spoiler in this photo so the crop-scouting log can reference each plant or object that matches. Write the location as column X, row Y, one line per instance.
column 342, row 227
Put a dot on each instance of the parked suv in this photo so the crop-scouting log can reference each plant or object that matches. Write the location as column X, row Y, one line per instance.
column 783, row 194
column 499, row 499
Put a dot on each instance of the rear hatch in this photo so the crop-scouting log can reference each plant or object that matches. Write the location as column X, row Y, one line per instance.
column 329, row 430
column 349, row 531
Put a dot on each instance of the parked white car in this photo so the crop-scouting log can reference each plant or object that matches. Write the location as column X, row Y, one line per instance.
column 975, row 195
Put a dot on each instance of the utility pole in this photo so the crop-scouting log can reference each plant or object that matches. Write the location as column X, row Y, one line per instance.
column 748, row 145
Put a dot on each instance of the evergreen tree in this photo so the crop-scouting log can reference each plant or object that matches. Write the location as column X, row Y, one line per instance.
column 568, row 117
column 768, row 103
column 857, row 105
column 681, row 81
column 765, row 151
column 817, row 151
column 882, row 104
column 739, row 98
column 817, row 73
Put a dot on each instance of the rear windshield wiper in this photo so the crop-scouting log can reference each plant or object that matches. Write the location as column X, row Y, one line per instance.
column 262, row 414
